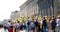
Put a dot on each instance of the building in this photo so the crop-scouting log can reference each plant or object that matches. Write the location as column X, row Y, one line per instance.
column 45, row 8
column 29, row 8
column 41, row 8
column 49, row 7
column 12, row 16
column 15, row 15
column 57, row 7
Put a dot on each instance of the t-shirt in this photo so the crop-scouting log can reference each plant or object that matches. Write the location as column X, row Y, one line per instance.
column 32, row 24
column 58, row 22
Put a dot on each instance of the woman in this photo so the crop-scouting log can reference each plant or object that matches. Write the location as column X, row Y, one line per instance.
column 17, row 26
column 49, row 25
column 11, row 28
column 39, row 25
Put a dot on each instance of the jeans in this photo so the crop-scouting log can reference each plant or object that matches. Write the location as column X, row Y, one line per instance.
column 27, row 28
column 5, row 29
column 44, row 28
column 58, row 29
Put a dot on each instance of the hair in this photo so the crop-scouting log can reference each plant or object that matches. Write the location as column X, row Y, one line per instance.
column 43, row 17
column 18, row 21
column 49, row 19
column 28, row 17
column 9, row 21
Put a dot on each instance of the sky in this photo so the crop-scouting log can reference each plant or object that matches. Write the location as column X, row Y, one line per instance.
column 7, row 6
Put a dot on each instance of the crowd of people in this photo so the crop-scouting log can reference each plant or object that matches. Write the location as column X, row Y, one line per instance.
column 34, row 25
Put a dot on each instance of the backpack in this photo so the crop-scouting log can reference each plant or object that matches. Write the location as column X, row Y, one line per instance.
column 44, row 23
column 28, row 23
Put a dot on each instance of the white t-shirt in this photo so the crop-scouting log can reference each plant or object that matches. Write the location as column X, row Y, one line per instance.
column 8, row 24
column 58, row 22
column 40, row 22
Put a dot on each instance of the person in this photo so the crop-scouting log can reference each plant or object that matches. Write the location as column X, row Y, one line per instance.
column 11, row 27
column 24, row 25
column 8, row 24
column 17, row 26
column 44, row 24
column 36, row 24
column 28, row 25
column 53, row 24
column 49, row 25
column 32, row 25
column 58, row 24
column 5, row 27
column 14, row 25
column 21, row 26
column 39, row 25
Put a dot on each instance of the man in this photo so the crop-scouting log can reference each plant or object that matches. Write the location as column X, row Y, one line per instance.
column 36, row 25
column 28, row 25
column 44, row 24
column 58, row 24
column 5, row 27
column 8, row 25
column 32, row 25
column 53, row 24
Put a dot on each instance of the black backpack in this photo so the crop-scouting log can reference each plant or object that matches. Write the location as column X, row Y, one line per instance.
column 28, row 23
column 44, row 23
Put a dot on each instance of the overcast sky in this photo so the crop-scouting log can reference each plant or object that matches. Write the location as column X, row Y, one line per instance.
column 7, row 6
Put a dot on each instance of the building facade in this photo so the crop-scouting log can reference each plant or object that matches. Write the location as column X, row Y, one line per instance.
column 45, row 8
column 15, row 15
column 57, row 7
column 29, row 8
column 12, row 16
column 40, row 8
column 49, row 7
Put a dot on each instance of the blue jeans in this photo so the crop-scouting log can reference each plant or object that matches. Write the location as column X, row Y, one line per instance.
column 44, row 28
column 27, row 28
column 5, row 29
